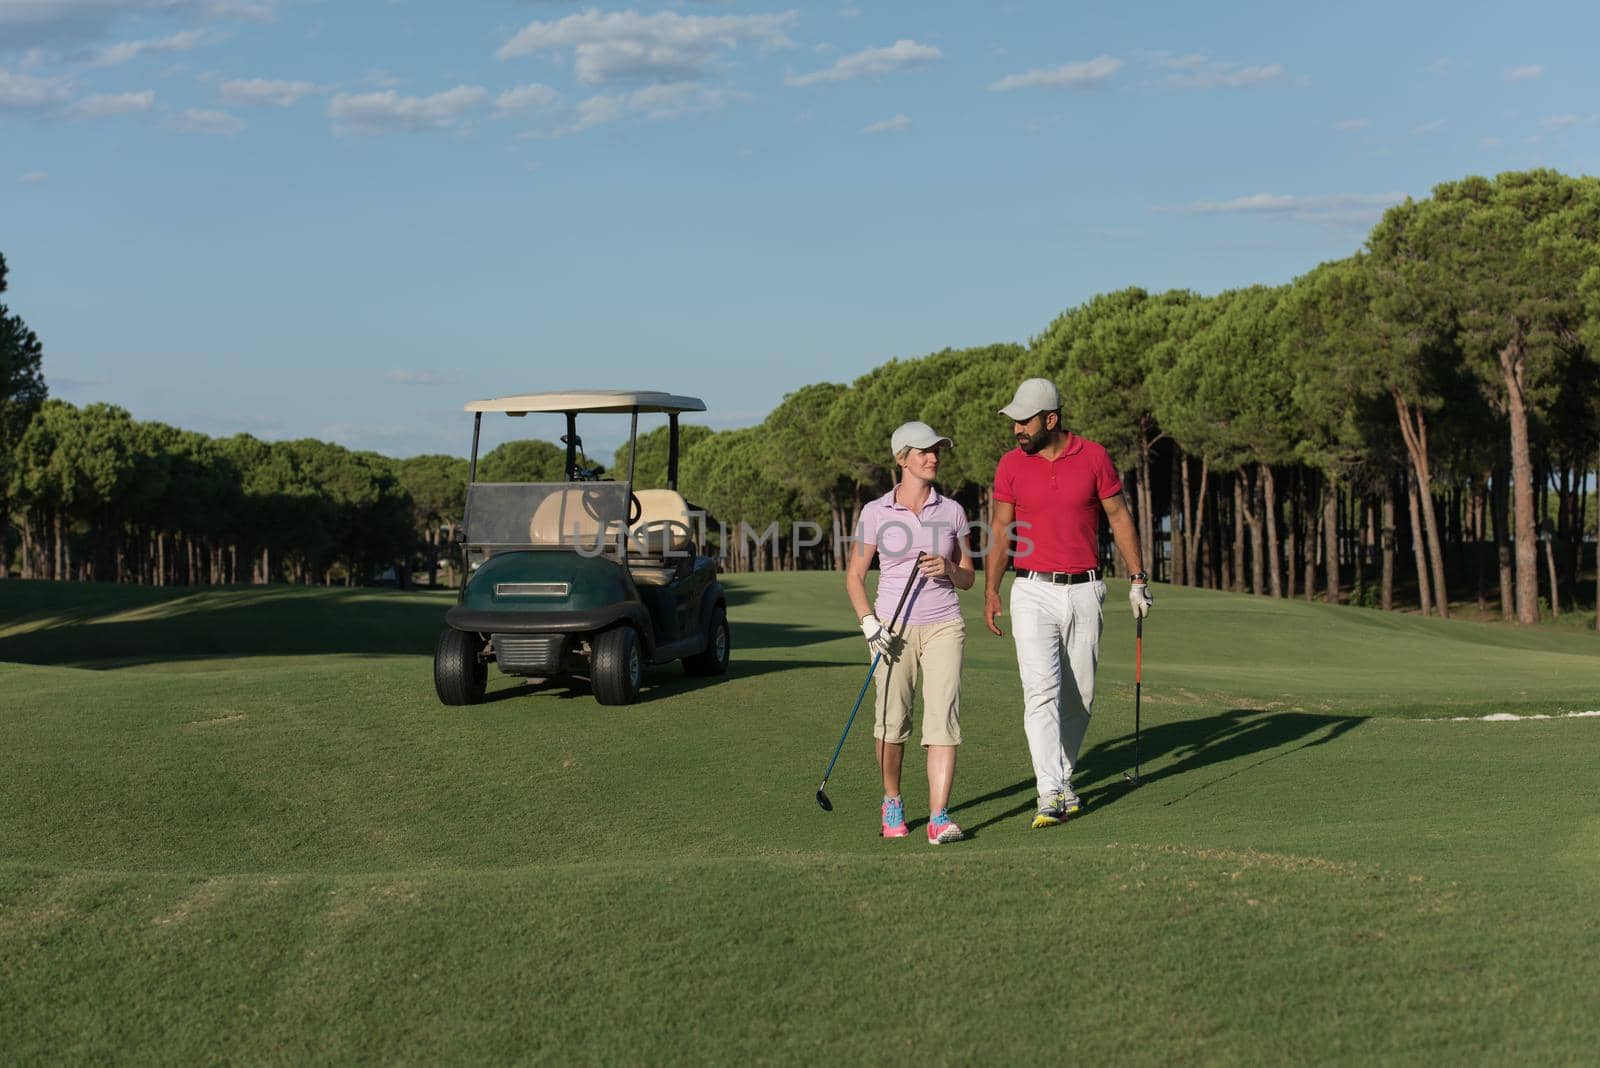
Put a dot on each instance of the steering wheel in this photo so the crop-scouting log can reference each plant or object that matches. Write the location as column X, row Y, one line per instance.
column 592, row 500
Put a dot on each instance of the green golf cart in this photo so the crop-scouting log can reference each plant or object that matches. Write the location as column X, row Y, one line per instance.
column 585, row 577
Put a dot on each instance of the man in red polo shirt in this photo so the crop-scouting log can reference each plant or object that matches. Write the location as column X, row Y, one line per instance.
column 1051, row 490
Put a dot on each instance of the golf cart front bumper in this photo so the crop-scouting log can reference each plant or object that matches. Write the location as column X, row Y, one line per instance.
column 540, row 644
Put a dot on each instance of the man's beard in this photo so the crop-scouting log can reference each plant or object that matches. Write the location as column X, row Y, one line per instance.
column 1032, row 443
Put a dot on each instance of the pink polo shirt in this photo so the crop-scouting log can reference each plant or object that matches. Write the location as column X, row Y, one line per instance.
column 1058, row 504
column 899, row 534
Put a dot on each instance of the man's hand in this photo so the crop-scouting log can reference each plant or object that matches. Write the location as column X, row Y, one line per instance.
column 879, row 640
column 992, row 611
column 1140, row 598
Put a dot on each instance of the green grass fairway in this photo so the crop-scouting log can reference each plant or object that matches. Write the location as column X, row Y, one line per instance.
column 237, row 826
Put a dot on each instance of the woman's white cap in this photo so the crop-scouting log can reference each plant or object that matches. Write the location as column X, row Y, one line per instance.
column 915, row 435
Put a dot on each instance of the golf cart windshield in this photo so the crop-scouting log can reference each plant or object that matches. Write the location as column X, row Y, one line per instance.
column 520, row 515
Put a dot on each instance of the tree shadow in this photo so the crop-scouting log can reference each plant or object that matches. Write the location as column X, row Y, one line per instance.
column 105, row 627
column 1175, row 749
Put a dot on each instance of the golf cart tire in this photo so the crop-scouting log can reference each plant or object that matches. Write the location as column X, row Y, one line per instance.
column 616, row 666
column 460, row 675
column 714, row 659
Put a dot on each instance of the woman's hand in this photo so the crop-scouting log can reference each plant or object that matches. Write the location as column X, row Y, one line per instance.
column 947, row 569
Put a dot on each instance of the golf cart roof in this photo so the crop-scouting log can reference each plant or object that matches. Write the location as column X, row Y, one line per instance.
column 594, row 400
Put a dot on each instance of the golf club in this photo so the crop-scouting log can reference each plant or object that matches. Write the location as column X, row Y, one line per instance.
column 1138, row 672
column 822, row 790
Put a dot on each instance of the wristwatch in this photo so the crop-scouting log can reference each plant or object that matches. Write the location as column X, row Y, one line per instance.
column 1139, row 576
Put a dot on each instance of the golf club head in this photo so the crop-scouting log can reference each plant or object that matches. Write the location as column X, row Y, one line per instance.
column 822, row 800
column 1132, row 779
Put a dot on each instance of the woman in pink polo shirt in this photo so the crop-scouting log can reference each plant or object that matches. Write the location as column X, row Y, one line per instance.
column 913, row 518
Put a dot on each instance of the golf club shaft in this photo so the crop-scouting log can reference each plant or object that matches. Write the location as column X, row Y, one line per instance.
column 862, row 696
column 1138, row 680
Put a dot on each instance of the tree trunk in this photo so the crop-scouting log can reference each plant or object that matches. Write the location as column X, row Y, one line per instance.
column 1313, row 540
column 1291, row 551
column 1386, row 547
column 1178, row 518
column 1424, row 587
column 1502, row 542
column 1358, row 516
column 1526, row 537
column 1249, row 503
column 1414, row 429
column 1330, row 531
column 1239, row 516
column 1480, row 508
column 1555, row 591
column 1269, row 489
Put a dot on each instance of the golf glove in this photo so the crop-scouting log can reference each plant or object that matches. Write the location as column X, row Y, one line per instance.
column 879, row 639
column 1140, row 598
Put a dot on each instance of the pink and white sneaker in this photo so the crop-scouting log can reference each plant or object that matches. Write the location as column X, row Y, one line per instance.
column 894, row 818
column 942, row 829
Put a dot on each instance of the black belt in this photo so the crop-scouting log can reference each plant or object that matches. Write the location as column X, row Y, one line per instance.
column 1060, row 578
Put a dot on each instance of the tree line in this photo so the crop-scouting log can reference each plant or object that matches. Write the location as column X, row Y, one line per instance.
column 1412, row 425
column 1425, row 411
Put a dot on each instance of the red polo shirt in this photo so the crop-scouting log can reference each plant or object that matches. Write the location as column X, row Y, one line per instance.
column 1058, row 504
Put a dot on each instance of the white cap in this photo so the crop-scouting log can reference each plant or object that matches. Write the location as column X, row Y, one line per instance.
column 915, row 435
column 1033, row 396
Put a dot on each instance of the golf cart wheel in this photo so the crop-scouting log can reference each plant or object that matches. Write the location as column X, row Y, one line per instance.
column 714, row 660
column 459, row 673
column 616, row 666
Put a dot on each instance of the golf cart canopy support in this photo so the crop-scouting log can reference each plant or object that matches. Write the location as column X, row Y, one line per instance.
column 598, row 400
column 570, row 403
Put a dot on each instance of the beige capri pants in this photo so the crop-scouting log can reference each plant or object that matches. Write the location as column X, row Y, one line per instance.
column 933, row 651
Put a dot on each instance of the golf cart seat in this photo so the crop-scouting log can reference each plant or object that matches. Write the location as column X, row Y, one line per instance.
column 662, row 538
column 565, row 518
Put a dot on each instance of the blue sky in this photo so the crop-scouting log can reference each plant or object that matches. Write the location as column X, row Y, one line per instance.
column 343, row 220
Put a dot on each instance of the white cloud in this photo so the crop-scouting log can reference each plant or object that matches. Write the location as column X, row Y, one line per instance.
column 1085, row 75
column 626, row 46
column 31, row 177
column 57, row 98
column 672, row 100
column 1489, row 142
column 1560, row 122
column 205, row 121
column 389, row 112
column 251, row 92
column 1423, row 128
column 872, row 62
column 110, row 105
column 526, row 98
column 1524, row 73
column 1199, row 71
column 25, row 94
column 114, row 55
column 898, row 124
column 1340, row 209
column 1440, row 65
column 1352, row 125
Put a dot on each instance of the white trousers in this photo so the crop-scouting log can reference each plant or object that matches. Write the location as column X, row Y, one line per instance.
column 1057, row 631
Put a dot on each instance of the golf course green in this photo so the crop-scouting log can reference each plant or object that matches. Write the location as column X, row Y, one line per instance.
column 238, row 826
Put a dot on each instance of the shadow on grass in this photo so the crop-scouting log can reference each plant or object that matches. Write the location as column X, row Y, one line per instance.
column 660, row 681
column 105, row 627
column 1181, row 748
